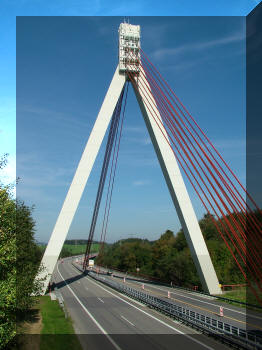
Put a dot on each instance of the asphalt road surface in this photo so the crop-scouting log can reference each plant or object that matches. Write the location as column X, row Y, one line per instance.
column 237, row 316
column 105, row 319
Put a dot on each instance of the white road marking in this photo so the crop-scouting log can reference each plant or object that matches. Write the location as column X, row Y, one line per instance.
column 167, row 325
column 135, row 301
column 127, row 320
column 86, row 288
column 90, row 315
column 201, row 301
column 102, row 301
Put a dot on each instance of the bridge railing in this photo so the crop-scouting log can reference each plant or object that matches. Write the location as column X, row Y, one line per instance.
column 148, row 279
column 219, row 329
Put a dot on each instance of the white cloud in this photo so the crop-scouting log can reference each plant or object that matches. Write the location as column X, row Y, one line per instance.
column 50, row 115
column 28, row 166
column 139, row 140
column 135, row 129
column 230, row 143
column 147, row 141
column 140, row 183
column 234, row 37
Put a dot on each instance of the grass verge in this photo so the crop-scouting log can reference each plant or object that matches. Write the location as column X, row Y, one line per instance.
column 57, row 331
column 45, row 327
column 242, row 294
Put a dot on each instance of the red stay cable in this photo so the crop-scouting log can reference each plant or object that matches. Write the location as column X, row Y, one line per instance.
column 166, row 107
column 239, row 216
column 251, row 217
column 254, row 224
column 170, row 145
column 243, row 223
column 197, row 163
column 189, row 177
column 191, row 117
column 244, row 247
column 236, row 212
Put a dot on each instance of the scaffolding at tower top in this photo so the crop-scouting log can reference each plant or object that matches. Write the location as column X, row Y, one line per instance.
column 129, row 47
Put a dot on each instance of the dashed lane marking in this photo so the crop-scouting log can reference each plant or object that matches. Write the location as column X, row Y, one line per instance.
column 155, row 318
column 90, row 315
column 127, row 321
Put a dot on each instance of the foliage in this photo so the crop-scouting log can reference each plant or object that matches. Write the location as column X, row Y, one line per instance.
column 64, row 253
column 7, row 267
column 19, row 261
column 28, row 257
column 77, row 241
column 169, row 258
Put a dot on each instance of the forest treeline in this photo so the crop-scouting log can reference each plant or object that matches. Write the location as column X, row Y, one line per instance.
column 77, row 241
column 169, row 258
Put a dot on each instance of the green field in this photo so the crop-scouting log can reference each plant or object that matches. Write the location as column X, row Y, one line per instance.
column 76, row 249
column 241, row 295
column 81, row 248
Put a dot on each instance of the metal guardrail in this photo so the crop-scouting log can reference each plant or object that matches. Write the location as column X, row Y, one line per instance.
column 192, row 290
column 227, row 333
column 60, row 299
column 210, row 295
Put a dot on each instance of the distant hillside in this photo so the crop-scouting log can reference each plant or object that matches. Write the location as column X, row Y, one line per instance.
column 73, row 247
column 41, row 243
column 78, row 241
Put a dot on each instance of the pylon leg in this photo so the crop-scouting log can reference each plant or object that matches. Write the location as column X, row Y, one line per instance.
column 178, row 192
column 84, row 168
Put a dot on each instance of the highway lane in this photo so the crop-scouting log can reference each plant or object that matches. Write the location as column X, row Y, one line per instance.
column 104, row 318
column 237, row 316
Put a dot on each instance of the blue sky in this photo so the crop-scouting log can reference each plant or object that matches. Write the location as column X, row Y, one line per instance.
column 204, row 63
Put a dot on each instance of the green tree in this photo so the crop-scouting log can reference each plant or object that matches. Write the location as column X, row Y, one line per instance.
column 208, row 227
column 65, row 252
column 19, row 261
column 27, row 258
column 7, row 264
column 162, row 251
column 169, row 257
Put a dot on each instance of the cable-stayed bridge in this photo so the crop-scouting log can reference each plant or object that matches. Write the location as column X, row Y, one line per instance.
column 182, row 148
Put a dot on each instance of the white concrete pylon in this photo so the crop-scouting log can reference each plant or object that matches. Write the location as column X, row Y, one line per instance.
column 82, row 173
column 176, row 186
column 167, row 162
